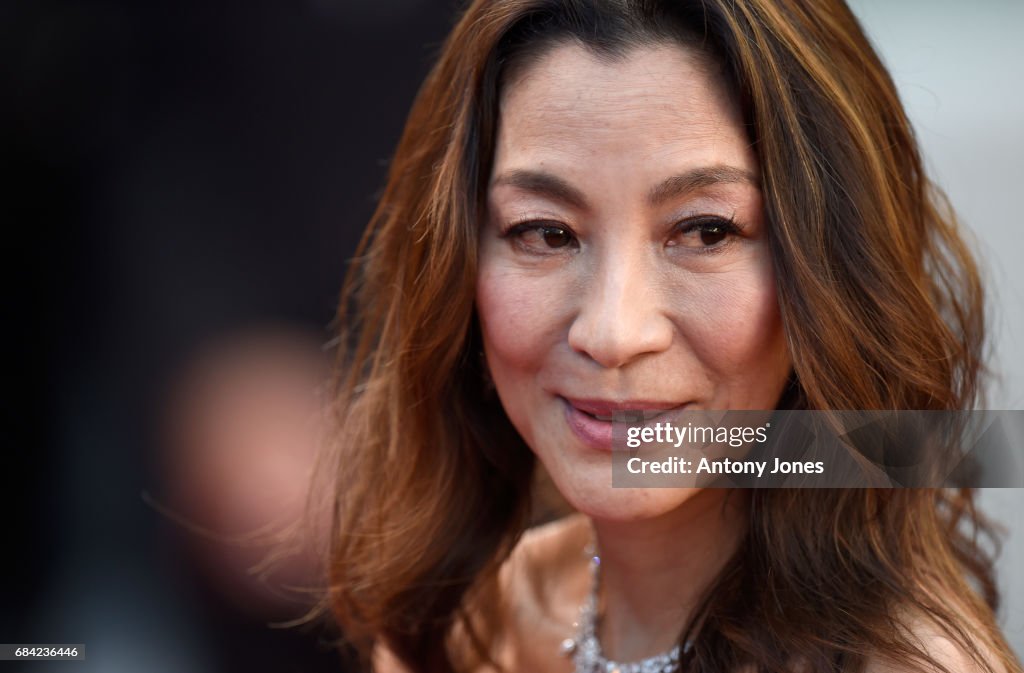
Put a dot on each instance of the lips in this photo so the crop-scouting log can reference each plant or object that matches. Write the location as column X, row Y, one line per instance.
column 604, row 409
column 591, row 419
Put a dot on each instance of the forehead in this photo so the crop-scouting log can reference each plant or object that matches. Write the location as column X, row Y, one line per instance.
column 654, row 109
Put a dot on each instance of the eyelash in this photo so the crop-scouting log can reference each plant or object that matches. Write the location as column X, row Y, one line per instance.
column 516, row 231
column 726, row 224
column 689, row 225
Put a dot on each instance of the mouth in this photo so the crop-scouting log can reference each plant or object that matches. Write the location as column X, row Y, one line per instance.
column 626, row 410
column 591, row 420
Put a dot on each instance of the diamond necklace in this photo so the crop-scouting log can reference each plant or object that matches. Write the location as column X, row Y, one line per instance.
column 585, row 649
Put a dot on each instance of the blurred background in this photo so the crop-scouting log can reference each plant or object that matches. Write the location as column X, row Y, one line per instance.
column 186, row 181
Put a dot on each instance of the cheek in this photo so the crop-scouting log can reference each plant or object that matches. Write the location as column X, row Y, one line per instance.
column 521, row 324
column 521, row 320
column 737, row 330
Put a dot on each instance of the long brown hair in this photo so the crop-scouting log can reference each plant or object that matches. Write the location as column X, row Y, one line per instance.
column 880, row 299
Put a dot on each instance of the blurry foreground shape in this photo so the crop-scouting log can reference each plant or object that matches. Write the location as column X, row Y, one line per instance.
column 240, row 437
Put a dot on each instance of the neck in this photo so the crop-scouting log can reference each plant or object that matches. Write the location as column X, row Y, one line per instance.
column 654, row 572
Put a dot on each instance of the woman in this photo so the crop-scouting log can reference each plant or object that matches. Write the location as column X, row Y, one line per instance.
column 607, row 205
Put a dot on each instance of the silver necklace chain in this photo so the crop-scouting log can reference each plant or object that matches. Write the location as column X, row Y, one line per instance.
column 585, row 649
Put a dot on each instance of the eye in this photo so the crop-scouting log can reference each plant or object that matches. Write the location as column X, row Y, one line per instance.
column 542, row 237
column 555, row 237
column 705, row 232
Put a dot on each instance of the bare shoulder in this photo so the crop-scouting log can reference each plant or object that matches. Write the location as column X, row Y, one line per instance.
column 542, row 584
column 546, row 576
column 384, row 661
column 554, row 546
column 539, row 590
column 927, row 635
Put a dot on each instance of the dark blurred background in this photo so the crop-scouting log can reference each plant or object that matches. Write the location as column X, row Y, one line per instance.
column 186, row 181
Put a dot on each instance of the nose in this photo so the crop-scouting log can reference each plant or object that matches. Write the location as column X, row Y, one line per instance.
column 622, row 317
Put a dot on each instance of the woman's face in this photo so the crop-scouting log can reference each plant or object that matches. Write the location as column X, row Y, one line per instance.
column 624, row 261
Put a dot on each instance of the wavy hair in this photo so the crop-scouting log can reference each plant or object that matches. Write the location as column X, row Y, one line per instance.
column 880, row 300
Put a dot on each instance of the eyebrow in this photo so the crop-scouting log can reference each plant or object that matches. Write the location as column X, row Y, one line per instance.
column 677, row 186
column 543, row 184
column 696, row 179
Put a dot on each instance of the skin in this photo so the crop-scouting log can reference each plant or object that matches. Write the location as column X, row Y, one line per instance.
column 594, row 290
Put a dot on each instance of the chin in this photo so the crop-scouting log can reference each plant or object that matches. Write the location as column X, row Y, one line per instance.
column 603, row 502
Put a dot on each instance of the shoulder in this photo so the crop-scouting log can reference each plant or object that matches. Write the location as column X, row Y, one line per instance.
column 925, row 634
column 546, row 554
column 533, row 606
column 383, row 661
column 541, row 585
column 546, row 577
